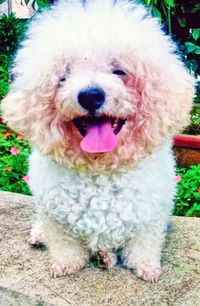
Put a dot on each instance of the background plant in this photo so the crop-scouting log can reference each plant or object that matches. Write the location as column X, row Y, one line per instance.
column 11, row 32
column 4, row 75
column 14, row 149
column 13, row 161
column 188, row 196
column 181, row 19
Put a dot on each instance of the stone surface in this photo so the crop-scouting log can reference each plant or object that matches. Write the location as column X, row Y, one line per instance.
column 24, row 278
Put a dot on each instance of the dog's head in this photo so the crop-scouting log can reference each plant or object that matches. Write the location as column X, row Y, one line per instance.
column 98, row 85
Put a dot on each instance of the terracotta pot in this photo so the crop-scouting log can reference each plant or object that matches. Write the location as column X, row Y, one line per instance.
column 187, row 150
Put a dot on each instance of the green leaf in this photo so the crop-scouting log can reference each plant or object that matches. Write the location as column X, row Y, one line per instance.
column 4, row 180
column 156, row 13
column 181, row 21
column 196, row 33
column 148, row 2
column 42, row 4
column 170, row 3
column 192, row 48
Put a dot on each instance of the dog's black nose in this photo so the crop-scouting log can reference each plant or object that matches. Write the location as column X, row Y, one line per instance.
column 91, row 98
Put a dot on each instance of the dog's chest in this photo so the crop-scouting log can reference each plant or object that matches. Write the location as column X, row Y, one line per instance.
column 106, row 208
column 93, row 205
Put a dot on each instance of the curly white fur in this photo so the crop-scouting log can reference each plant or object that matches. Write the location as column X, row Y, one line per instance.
column 104, row 209
column 99, row 202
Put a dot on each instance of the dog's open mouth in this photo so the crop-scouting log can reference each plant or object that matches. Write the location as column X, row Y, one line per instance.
column 99, row 133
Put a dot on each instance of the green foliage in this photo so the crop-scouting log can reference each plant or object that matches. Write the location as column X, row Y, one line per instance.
column 4, row 75
column 195, row 34
column 192, row 48
column 194, row 127
column 42, row 4
column 13, row 167
column 195, row 114
column 11, row 32
column 161, row 10
column 188, row 196
column 181, row 19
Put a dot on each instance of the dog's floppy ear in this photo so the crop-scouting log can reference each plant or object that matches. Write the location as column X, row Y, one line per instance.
column 164, row 95
column 17, row 111
column 177, row 94
column 32, row 114
column 166, row 99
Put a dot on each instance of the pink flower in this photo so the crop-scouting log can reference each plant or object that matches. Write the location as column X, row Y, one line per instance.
column 20, row 137
column 177, row 178
column 14, row 151
column 7, row 169
column 26, row 178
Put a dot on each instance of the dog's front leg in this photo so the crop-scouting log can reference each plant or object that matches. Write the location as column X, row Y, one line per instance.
column 67, row 254
column 143, row 252
column 37, row 234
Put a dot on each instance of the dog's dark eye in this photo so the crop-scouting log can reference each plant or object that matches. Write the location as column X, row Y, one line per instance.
column 119, row 72
column 61, row 81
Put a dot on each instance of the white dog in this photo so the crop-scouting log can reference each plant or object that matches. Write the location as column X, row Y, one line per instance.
column 99, row 93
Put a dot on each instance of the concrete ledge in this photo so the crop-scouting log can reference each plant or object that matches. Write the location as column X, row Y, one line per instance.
column 24, row 278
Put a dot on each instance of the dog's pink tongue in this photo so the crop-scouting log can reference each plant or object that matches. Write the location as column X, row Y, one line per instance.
column 99, row 138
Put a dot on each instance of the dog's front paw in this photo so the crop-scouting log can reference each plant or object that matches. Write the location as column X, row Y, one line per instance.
column 109, row 259
column 61, row 268
column 149, row 272
column 37, row 238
